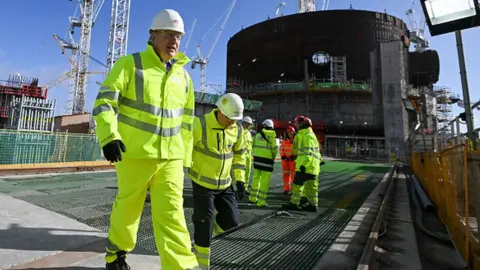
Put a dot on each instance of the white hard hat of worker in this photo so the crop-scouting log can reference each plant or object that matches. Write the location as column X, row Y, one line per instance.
column 268, row 123
column 247, row 119
column 231, row 105
column 168, row 19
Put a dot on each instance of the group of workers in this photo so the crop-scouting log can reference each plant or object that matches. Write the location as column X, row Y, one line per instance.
column 144, row 114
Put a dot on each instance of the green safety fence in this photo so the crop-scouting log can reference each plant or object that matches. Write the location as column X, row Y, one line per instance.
column 207, row 98
column 23, row 147
column 317, row 85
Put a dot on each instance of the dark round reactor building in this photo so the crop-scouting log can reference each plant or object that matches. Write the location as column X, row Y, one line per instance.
column 345, row 69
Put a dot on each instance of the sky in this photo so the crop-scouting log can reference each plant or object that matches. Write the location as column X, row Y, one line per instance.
column 28, row 47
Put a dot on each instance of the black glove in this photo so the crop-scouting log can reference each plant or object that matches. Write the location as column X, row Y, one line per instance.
column 302, row 169
column 322, row 163
column 284, row 158
column 113, row 151
column 240, row 190
column 293, row 157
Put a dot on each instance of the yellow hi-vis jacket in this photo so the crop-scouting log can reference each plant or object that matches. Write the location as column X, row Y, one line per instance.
column 308, row 152
column 216, row 152
column 247, row 137
column 264, row 150
column 150, row 110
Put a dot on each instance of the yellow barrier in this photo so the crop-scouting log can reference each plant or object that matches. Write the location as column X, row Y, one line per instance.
column 452, row 180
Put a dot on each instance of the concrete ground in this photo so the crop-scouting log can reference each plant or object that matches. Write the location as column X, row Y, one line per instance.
column 59, row 222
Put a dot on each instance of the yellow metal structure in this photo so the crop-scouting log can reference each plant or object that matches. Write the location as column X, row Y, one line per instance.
column 451, row 178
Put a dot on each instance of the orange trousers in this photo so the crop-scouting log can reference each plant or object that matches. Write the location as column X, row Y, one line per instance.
column 288, row 174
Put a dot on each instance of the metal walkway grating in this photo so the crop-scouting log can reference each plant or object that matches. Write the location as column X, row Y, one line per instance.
column 273, row 243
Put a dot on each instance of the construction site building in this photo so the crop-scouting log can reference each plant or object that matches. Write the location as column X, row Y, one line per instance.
column 350, row 78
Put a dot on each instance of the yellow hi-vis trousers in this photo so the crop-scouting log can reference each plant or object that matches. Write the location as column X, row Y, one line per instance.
column 260, row 187
column 248, row 170
column 165, row 180
column 308, row 188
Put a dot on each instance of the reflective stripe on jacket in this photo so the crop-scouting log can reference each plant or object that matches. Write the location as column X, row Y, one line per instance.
column 149, row 109
column 216, row 152
column 247, row 137
column 286, row 148
column 264, row 150
column 308, row 154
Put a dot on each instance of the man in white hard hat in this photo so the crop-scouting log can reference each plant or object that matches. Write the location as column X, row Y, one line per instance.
column 264, row 153
column 247, row 124
column 144, row 113
column 218, row 154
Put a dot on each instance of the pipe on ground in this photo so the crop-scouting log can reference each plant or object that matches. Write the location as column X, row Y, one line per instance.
column 425, row 201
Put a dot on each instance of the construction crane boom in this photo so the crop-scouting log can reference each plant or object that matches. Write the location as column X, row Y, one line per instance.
column 118, row 37
column 280, row 6
column 203, row 61
column 189, row 36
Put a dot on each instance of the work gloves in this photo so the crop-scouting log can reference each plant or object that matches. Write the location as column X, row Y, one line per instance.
column 303, row 169
column 112, row 151
column 322, row 163
column 240, row 190
column 285, row 158
column 293, row 157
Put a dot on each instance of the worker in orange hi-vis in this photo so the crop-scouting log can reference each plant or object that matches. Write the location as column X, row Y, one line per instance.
column 288, row 164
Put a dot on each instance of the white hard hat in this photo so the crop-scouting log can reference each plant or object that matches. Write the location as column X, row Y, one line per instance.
column 268, row 123
column 247, row 119
column 168, row 19
column 231, row 105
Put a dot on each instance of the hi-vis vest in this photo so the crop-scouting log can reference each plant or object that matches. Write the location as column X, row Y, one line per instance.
column 155, row 108
column 286, row 148
column 308, row 152
column 264, row 150
column 218, row 153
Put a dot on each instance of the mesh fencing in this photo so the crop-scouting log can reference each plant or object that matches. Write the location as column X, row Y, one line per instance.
column 450, row 174
column 21, row 147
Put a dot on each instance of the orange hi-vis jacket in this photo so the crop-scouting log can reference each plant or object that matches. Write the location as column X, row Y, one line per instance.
column 286, row 148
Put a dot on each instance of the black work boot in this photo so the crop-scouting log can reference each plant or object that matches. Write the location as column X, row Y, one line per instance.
column 119, row 263
column 309, row 207
column 291, row 206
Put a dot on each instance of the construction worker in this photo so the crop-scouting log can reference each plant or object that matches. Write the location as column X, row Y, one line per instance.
column 264, row 153
column 218, row 154
column 247, row 123
column 307, row 166
column 288, row 164
column 144, row 113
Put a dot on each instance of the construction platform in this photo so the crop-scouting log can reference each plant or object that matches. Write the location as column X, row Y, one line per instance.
column 59, row 221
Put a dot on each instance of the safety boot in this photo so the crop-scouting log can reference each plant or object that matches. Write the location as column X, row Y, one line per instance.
column 309, row 208
column 291, row 206
column 119, row 263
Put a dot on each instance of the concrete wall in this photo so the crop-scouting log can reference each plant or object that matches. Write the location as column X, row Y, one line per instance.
column 394, row 70
column 351, row 108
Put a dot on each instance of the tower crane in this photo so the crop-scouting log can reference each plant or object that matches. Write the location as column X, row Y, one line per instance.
column 89, row 10
column 307, row 6
column 417, row 33
column 280, row 6
column 118, row 37
column 202, row 61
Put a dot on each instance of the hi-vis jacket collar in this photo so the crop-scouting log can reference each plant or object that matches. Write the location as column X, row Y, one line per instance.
column 180, row 58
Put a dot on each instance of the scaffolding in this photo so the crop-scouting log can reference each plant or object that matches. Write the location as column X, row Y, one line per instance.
column 338, row 69
column 444, row 104
column 23, row 104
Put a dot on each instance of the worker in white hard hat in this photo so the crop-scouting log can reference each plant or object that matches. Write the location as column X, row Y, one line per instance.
column 264, row 153
column 218, row 154
column 247, row 124
column 144, row 113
